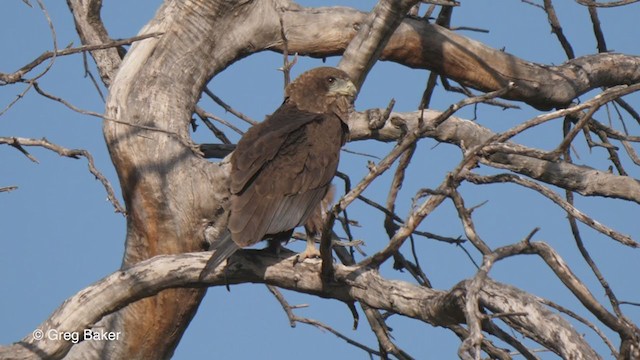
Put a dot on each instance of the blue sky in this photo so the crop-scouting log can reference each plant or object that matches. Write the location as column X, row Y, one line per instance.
column 59, row 234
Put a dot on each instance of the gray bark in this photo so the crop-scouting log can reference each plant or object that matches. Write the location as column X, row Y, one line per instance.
column 174, row 196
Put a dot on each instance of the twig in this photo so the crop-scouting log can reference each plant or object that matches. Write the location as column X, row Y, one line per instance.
column 75, row 154
column 613, row 153
column 441, row 2
column 631, row 152
column 186, row 142
column 287, row 65
column 629, row 109
column 427, row 93
column 419, row 214
column 390, row 226
column 293, row 319
column 216, row 132
column 469, row 28
column 467, row 222
column 496, row 331
column 8, row 188
column 488, row 347
column 395, row 217
column 465, row 91
column 530, row 2
column 89, row 74
column 623, row 239
column 598, row 100
column 216, row 151
column 585, row 254
column 582, row 293
column 579, row 318
column 346, row 223
column 228, row 108
column 597, row 29
column 284, row 303
column 612, row 133
column 14, row 142
column 359, row 153
column 207, row 115
column 381, row 331
column 17, row 76
column 556, row 28
column 54, row 40
column 568, row 139
column 17, row 98
column 630, row 303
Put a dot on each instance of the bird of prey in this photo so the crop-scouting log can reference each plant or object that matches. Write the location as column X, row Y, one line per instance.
column 282, row 167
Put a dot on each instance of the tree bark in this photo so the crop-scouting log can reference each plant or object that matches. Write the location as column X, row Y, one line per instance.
column 421, row 45
column 176, row 199
column 435, row 307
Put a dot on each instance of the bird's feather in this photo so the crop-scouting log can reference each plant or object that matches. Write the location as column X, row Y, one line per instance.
column 282, row 168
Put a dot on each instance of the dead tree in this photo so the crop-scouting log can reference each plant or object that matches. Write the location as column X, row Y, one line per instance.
column 175, row 197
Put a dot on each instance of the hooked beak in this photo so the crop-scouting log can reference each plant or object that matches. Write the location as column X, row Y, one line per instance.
column 345, row 88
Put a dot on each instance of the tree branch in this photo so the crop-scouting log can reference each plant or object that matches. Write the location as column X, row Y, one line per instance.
column 418, row 44
column 372, row 37
column 582, row 179
column 148, row 277
column 71, row 153
column 17, row 75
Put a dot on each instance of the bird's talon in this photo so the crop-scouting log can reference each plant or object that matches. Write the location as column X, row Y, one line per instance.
column 309, row 253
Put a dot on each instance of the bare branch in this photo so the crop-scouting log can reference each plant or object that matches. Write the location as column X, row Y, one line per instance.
column 19, row 74
column 606, row 4
column 556, row 28
column 374, row 34
column 597, row 29
column 228, row 108
column 8, row 188
column 207, row 115
column 75, row 154
column 186, row 142
column 54, row 40
column 624, row 239
column 577, row 178
column 91, row 29
column 595, row 329
column 355, row 284
column 293, row 319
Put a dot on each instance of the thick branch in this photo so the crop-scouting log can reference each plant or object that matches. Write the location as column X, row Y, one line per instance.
column 91, row 30
column 175, row 197
column 468, row 134
column 582, row 179
column 321, row 32
column 365, row 48
column 146, row 278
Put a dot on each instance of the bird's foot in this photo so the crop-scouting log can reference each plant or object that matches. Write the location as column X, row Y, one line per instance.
column 309, row 253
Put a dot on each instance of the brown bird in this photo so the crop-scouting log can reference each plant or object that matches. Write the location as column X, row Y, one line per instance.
column 282, row 168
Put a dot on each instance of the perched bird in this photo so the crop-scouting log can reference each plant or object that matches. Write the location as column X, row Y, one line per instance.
column 282, row 168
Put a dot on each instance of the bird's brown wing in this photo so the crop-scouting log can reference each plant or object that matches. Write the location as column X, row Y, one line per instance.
column 263, row 141
column 281, row 170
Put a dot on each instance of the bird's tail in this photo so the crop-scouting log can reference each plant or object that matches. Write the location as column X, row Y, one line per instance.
column 223, row 249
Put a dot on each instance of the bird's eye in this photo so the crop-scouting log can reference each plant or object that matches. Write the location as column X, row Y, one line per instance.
column 331, row 80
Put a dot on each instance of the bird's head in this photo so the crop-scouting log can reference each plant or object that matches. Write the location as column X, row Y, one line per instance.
column 318, row 89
